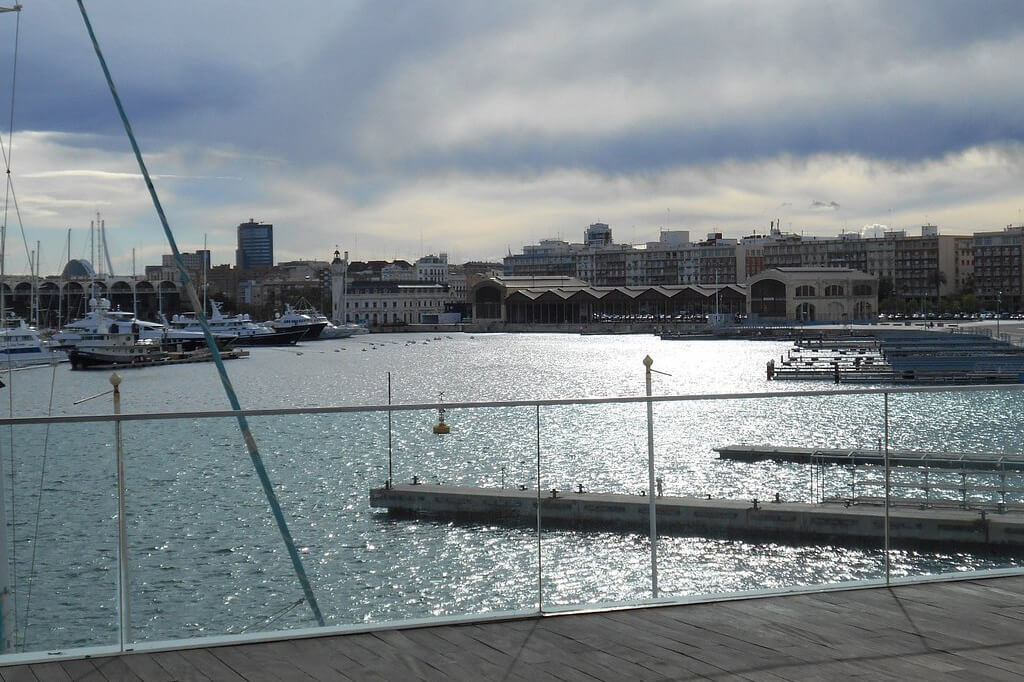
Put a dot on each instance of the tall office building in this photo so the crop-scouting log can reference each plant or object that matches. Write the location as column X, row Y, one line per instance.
column 255, row 245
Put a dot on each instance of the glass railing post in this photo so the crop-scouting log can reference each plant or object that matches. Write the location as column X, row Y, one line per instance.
column 540, row 563
column 652, row 498
column 123, row 592
column 887, row 488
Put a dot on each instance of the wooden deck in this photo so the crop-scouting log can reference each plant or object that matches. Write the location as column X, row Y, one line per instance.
column 939, row 631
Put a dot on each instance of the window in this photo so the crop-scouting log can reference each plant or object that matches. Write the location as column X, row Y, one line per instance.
column 834, row 290
column 805, row 291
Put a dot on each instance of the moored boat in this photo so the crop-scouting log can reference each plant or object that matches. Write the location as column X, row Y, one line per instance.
column 241, row 327
column 309, row 321
column 23, row 346
column 101, row 319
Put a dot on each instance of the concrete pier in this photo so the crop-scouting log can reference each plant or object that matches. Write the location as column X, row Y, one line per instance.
column 758, row 520
column 917, row 458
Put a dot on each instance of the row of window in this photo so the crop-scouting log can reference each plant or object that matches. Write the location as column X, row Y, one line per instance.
column 394, row 304
column 832, row 290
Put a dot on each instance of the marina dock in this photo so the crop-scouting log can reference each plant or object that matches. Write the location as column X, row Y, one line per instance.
column 902, row 358
column 753, row 519
column 905, row 458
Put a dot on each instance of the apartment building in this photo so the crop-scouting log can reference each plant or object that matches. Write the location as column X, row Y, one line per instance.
column 998, row 273
column 923, row 267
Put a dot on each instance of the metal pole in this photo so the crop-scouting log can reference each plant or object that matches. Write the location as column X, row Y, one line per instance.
column 390, row 478
column 123, row 600
column 650, row 481
column 190, row 291
column 540, row 564
column 886, row 458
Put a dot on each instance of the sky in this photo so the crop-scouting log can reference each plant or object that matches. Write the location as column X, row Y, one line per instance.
column 394, row 129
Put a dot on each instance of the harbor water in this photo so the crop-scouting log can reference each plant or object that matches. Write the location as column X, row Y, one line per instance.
column 205, row 555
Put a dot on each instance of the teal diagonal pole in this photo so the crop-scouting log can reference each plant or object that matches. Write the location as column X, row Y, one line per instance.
column 243, row 424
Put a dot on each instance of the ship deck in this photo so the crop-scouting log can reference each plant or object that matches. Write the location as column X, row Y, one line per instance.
column 971, row 629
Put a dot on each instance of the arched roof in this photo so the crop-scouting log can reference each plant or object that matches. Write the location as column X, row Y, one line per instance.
column 78, row 267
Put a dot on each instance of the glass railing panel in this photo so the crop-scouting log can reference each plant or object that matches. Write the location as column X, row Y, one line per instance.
column 955, row 509
column 594, row 483
column 758, row 499
column 60, row 493
column 207, row 558
column 470, row 547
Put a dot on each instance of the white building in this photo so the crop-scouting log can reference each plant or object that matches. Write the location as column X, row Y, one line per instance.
column 391, row 303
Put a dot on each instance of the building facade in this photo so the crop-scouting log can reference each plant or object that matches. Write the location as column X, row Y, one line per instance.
column 822, row 294
column 255, row 245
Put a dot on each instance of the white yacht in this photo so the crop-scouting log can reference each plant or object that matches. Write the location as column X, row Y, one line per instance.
column 101, row 319
column 245, row 331
column 309, row 320
column 23, row 346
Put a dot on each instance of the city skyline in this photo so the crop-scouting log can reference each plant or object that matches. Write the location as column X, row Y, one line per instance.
column 395, row 131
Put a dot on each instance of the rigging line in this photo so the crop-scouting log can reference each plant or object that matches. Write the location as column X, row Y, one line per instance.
column 39, row 510
column 272, row 617
column 243, row 424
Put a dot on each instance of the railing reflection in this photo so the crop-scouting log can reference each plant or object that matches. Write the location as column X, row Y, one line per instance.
column 205, row 559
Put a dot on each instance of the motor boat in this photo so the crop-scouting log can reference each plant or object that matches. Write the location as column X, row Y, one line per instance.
column 24, row 346
column 101, row 319
column 245, row 331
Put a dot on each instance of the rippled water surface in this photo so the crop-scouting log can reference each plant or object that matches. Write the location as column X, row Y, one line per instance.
column 206, row 557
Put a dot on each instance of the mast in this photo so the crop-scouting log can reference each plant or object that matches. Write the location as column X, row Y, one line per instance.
column 34, row 305
column 135, row 283
column 106, row 249
column 7, row 615
column 206, row 262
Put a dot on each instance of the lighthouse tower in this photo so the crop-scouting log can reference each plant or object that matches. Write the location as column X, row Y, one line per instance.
column 339, row 271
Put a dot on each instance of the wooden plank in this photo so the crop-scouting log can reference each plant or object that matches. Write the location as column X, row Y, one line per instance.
column 323, row 661
column 257, row 663
column 51, row 671
column 178, row 666
column 114, row 669
column 20, row 673
column 144, row 665
column 82, row 670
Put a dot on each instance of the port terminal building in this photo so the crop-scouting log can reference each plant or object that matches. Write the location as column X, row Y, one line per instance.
column 809, row 294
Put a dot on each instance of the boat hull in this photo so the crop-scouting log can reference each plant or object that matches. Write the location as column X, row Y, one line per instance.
column 278, row 338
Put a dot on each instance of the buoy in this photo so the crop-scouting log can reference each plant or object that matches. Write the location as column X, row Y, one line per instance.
column 441, row 428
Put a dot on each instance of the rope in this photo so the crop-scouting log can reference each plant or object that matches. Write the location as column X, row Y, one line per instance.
column 243, row 424
column 39, row 508
column 272, row 617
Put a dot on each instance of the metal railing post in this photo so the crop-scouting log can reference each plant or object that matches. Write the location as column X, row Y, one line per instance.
column 652, row 503
column 540, row 564
column 123, row 591
column 887, row 481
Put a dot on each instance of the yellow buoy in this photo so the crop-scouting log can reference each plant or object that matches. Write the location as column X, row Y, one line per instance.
column 441, row 428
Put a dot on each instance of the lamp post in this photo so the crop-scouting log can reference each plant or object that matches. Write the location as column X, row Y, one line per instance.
column 651, row 493
column 999, row 311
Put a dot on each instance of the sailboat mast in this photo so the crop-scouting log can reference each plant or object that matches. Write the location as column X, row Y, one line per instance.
column 35, row 285
column 7, row 614
column 106, row 249
column 135, row 284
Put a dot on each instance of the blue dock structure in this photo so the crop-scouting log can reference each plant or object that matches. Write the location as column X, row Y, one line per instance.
column 904, row 358
column 917, row 458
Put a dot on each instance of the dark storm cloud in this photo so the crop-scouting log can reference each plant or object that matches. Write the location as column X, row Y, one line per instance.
column 729, row 80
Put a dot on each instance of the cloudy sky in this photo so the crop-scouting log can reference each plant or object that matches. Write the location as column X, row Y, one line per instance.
column 397, row 128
